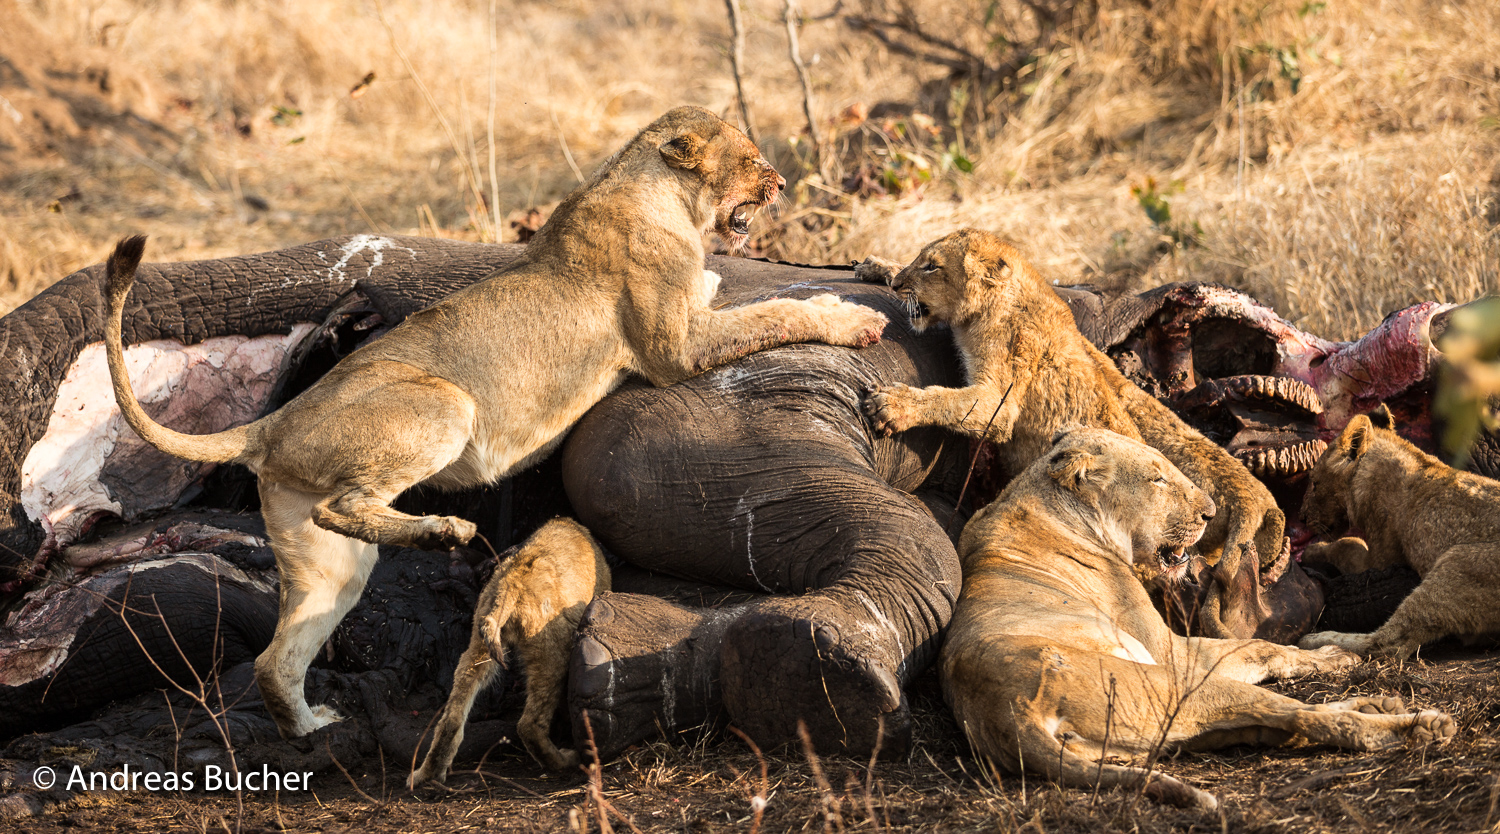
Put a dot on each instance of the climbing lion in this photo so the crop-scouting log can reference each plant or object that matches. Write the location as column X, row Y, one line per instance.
column 1413, row 510
column 1014, row 333
column 1056, row 662
column 532, row 604
column 488, row 380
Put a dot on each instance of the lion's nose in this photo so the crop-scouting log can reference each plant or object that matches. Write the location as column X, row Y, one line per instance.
column 1210, row 509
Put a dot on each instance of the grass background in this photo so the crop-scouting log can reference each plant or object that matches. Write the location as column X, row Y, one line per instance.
column 1338, row 160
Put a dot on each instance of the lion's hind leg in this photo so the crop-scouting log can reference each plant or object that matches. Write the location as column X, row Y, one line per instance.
column 545, row 656
column 476, row 669
column 322, row 575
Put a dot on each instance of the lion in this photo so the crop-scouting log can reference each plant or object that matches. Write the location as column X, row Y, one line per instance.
column 1017, row 338
column 489, row 380
column 1056, row 662
column 532, row 604
column 1414, row 510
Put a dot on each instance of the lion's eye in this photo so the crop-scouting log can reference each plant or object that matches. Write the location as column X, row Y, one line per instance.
column 1159, row 481
column 930, row 266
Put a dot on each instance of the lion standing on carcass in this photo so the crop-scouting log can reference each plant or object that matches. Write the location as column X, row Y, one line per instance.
column 1014, row 334
column 1056, row 661
column 489, row 380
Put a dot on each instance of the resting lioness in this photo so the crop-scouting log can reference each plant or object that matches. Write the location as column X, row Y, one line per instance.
column 489, row 380
column 532, row 604
column 1414, row 510
column 1056, row 662
column 1013, row 332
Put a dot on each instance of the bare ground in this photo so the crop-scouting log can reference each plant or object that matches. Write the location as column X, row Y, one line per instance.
column 712, row 785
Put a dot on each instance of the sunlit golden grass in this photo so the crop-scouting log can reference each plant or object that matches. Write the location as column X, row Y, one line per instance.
column 1337, row 160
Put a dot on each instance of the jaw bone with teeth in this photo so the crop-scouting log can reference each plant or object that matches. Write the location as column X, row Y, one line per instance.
column 1273, row 394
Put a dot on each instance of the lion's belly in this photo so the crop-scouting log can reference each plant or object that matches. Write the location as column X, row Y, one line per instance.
column 512, row 435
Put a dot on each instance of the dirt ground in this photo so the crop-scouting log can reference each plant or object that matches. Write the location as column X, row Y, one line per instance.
column 713, row 784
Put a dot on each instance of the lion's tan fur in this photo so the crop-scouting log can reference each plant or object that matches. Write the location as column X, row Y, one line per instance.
column 1055, row 658
column 1414, row 510
column 1014, row 333
column 490, row 379
column 531, row 605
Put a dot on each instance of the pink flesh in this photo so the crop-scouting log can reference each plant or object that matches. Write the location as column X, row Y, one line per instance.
column 1352, row 377
column 198, row 389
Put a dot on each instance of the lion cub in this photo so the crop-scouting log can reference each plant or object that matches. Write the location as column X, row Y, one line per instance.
column 533, row 604
column 1415, row 510
column 1013, row 332
column 1056, row 661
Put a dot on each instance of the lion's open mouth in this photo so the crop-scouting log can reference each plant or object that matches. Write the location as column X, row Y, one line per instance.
column 739, row 219
column 1172, row 556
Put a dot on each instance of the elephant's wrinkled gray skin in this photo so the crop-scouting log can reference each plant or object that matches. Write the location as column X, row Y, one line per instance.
column 863, row 573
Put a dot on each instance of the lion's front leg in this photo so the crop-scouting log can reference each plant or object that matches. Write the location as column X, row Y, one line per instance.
column 1253, row 661
column 718, row 337
column 976, row 410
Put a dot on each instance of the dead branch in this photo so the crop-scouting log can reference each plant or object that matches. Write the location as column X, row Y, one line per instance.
column 789, row 14
column 737, row 62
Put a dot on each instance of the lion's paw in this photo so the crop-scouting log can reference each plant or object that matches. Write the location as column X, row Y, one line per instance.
column 1356, row 643
column 1332, row 657
column 444, row 533
column 873, row 270
column 1367, row 704
column 1432, row 727
column 891, row 408
column 848, row 324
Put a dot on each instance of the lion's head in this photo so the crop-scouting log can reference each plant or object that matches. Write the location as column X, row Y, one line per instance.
column 1325, row 506
column 956, row 277
column 731, row 178
column 1135, row 491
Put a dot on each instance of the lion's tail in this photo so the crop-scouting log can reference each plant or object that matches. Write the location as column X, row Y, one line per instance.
column 507, row 595
column 1048, row 755
column 223, row 447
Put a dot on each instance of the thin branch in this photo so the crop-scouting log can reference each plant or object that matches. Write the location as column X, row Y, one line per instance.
column 737, row 62
column 789, row 14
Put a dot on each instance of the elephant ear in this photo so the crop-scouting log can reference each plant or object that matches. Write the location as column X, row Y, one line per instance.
column 686, row 150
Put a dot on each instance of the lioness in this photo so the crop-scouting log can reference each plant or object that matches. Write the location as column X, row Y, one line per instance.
column 489, row 380
column 1014, row 333
column 532, row 604
column 1414, row 510
column 1056, row 662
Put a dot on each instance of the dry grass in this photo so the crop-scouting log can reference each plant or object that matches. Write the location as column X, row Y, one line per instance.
column 1338, row 158
column 713, row 785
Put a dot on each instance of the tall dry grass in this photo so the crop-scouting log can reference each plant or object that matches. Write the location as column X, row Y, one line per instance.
column 1336, row 159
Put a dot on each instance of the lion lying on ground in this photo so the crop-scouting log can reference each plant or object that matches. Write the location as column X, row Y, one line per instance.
column 1056, row 662
column 489, row 380
column 1015, row 334
column 1414, row 510
column 532, row 604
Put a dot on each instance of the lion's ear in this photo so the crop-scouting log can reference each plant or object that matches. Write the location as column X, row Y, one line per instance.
column 685, row 150
column 1382, row 418
column 976, row 265
column 1079, row 471
column 1355, row 438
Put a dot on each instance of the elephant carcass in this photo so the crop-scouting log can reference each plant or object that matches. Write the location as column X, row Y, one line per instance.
column 768, row 414
column 212, row 344
column 1274, row 395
